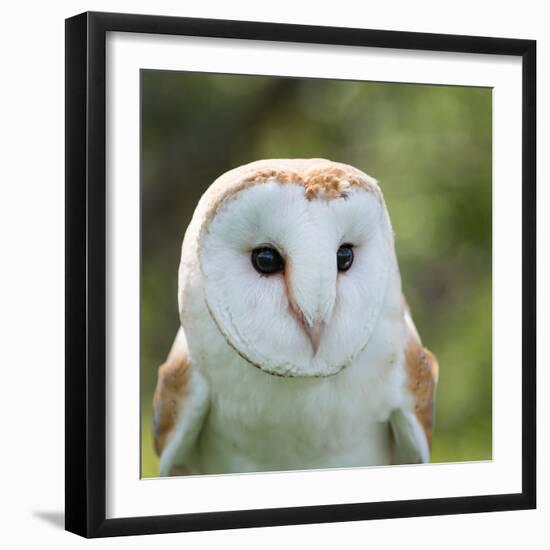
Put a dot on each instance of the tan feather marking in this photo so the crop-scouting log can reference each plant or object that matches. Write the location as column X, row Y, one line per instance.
column 320, row 178
column 422, row 374
column 332, row 182
column 325, row 182
column 173, row 377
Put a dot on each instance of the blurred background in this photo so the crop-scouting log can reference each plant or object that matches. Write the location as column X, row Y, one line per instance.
column 428, row 146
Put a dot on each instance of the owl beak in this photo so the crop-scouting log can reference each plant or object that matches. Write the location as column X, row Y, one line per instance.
column 314, row 332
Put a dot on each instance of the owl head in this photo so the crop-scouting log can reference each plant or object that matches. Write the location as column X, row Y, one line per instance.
column 294, row 259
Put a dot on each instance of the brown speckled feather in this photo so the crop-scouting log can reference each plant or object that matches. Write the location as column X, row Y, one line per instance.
column 422, row 374
column 320, row 178
column 173, row 379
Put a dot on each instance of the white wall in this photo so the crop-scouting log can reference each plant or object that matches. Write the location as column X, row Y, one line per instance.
column 31, row 269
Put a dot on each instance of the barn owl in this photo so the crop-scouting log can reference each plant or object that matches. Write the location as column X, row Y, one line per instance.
column 296, row 349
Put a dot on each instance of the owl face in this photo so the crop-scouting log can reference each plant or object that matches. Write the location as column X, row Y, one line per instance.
column 294, row 276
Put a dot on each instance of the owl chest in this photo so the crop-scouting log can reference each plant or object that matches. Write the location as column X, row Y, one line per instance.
column 260, row 422
column 280, row 424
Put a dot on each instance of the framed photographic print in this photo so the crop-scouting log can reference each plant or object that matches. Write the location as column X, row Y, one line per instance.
column 300, row 274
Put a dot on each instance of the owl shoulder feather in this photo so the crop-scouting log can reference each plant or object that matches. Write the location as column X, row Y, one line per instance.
column 412, row 428
column 180, row 404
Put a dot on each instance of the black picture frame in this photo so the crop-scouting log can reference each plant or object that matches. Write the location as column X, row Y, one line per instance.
column 86, row 274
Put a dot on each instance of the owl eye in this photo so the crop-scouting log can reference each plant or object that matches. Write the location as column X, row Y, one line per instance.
column 344, row 257
column 266, row 260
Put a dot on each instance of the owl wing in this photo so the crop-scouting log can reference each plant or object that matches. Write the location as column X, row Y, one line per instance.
column 180, row 405
column 412, row 427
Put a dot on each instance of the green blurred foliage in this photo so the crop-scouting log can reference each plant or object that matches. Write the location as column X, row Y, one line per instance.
column 430, row 149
